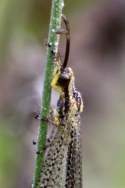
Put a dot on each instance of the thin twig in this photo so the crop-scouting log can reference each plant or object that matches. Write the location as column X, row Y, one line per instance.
column 53, row 40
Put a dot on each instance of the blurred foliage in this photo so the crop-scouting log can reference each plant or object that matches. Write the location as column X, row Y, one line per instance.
column 29, row 16
column 10, row 156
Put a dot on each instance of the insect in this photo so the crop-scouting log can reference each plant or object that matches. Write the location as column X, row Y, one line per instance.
column 62, row 164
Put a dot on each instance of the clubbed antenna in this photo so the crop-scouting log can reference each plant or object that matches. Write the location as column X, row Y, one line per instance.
column 66, row 32
column 67, row 50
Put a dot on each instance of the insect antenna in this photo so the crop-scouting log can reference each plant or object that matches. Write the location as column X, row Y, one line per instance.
column 66, row 32
column 67, row 50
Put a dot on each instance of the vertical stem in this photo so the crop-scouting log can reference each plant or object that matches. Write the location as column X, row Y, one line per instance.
column 53, row 40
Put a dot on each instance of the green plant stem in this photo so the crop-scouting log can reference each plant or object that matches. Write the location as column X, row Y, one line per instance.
column 53, row 39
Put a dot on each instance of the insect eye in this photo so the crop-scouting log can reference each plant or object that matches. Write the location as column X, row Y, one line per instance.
column 66, row 73
column 65, row 76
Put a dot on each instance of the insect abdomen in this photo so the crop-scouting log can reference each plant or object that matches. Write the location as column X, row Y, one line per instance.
column 74, row 160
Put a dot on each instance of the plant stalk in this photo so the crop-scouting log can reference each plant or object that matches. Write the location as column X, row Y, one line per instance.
column 53, row 41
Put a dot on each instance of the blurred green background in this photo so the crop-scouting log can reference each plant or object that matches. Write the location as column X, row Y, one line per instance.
column 98, row 59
